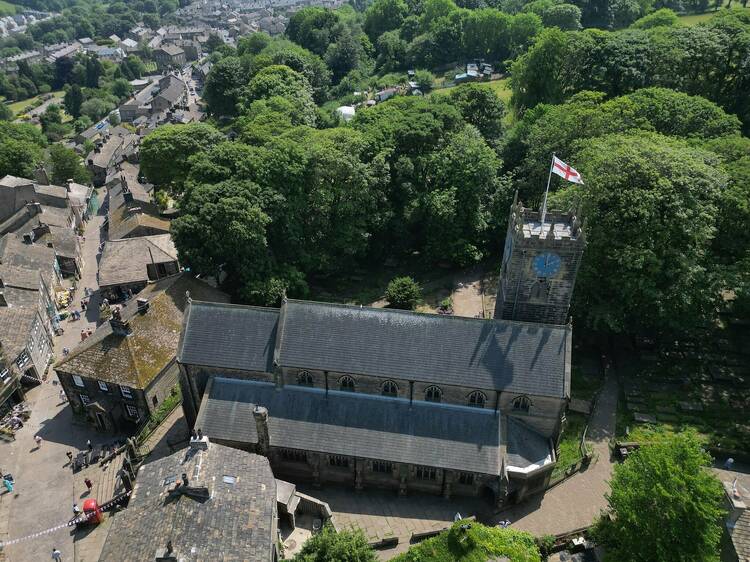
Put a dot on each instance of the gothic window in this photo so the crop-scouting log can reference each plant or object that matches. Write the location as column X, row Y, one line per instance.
column 466, row 478
column 339, row 461
column 390, row 389
column 539, row 290
column 304, row 378
column 477, row 399
column 293, row 455
column 426, row 473
column 521, row 404
column 383, row 467
column 433, row 394
column 346, row 383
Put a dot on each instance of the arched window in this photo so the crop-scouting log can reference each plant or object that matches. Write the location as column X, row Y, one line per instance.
column 521, row 404
column 304, row 378
column 346, row 383
column 390, row 389
column 433, row 394
column 477, row 399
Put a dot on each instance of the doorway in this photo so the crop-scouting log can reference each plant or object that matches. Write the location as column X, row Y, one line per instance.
column 101, row 422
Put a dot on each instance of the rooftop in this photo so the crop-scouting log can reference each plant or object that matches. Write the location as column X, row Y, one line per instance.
column 236, row 522
column 136, row 359
column 125, row 261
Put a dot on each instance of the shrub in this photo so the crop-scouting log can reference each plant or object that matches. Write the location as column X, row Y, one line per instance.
column 403, row 293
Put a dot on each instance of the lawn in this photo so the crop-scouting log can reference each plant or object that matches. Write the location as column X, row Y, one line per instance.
column 22, row 106
column 570, row 449
column 501, row 87
column 7, row 9
column 694, row 19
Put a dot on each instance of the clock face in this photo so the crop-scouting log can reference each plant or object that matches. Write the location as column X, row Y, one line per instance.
column 547, row 264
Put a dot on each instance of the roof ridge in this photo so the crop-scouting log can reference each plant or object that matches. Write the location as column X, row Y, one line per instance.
column 234, row 305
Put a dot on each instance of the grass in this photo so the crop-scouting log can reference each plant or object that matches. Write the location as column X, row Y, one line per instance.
column 694, row 19
column 570, row 449
column 501, row 87
column 468, row 541
column 23, row 106
column 7, row 9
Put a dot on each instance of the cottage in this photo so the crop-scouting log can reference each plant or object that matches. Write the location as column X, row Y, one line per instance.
column 120, row 374
column 126, row 266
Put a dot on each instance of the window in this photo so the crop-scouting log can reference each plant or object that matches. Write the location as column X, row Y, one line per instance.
column 426, row 473
column 5, row 376
column 339, row 461
column 85, row 400
column 522, row 404
column 383, row 467
column 78, row 381
column 103, row 386
column 132, row 411
column 227, row 479
column 304, row 378
column 170, row 480
column 433, row 394
column 477, row 399
column 466, row 478
column 126, row 392
column 390, row 388
column 346, row 383
column 293, row 455
column 22, row 359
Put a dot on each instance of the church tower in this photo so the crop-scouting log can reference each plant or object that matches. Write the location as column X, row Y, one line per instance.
column 540, row 263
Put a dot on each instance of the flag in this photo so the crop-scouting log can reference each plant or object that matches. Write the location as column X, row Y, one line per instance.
column 565, row 171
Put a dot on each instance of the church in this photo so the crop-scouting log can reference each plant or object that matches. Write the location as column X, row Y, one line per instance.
column 391, row 399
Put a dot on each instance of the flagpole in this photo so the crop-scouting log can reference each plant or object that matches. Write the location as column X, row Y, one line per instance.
column 546, row 192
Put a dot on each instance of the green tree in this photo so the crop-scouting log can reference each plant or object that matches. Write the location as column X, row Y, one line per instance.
column 650, row 204
column 314, row 28
column 480, row 106
column 121, row 88
column 565, row 16
column 330, row 546
column 96, row 108
column 66, row 164
column 82, row 123
column 223, row 85
column 665, row 505
column 391, row 51
column 279, row 80
column 5, row 113
column 73, row 100
column 253, row 44
column 214, row 42
column 660, row 18
column 166, row 151
column 384, row 15
column 403, row 293
column 424, row 79
column 19, row 157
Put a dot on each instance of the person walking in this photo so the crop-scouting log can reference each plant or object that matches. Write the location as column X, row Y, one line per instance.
column 63, row 397
column 76, row 510
column 38, row 441
column 88, row 444
column 89, row 484
column 56, row 555
column 70, row 457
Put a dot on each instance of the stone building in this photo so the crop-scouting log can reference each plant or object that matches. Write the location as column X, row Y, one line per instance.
column 540, row 263
column 378, row 397
column 169, row 55
column 121, row 373
column 206, row 502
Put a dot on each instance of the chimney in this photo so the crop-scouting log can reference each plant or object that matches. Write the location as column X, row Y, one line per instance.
column 120, row 327
column 198, row 441
column 34, row 208
column 166, row 554
column 142, row 305
column 261, row 425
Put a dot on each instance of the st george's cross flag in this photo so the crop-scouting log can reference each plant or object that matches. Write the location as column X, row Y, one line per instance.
column 565, row 171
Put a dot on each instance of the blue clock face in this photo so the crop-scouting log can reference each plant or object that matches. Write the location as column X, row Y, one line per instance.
column 547, row 264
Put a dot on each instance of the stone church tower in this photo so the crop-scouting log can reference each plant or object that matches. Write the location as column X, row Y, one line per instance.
column 540, row 263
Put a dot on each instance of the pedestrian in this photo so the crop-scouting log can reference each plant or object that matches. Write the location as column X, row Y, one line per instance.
column 88, row 444
column 56, row 555
column 83, row 335
column 63, row 397
column 89, row 332
column 76, row 510
column 38, row 441
column 83, row 304
column 728, row 464
column 8, row 484
column 89, row 483
column 70, row 456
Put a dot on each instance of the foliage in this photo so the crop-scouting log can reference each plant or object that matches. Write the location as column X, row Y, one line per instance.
column 469, row 541
column 21, row 149
column 384, row 15
column 660, row 18
column 665, row 504
column 330, row 546
column 651, row 205
column 73, row 101
column 96, row 108
column 279, row 80
column 66, row 164
column 223, row 85
column 403, row 293
column 165, row 408
column 565, row 16
column 481, row 107
column 253, row 44
column 6, row 114
column 314, row 28
column 424, row 79
column 165, row 152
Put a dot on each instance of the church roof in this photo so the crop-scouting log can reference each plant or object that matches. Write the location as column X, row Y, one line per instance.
column 488, row 354
column 355, row 424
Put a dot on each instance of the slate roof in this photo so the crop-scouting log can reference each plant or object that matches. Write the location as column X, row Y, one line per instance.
column 21, row 264
column 122, row 222
column 236, row 523
column 355, row 424
column 229, row 336
column 490, row 354
column 171, row 50
column 524, row 446
column 15, row 327
column 135, row 360
column 125, row 261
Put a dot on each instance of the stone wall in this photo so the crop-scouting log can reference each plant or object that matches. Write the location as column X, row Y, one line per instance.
column 162, row 385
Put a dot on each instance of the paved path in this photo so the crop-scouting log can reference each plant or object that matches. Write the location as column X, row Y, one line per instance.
column 576, row 502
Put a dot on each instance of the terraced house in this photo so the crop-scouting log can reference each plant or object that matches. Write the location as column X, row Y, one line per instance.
column 390, row 398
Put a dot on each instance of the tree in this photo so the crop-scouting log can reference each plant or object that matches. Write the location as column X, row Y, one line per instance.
column 403, row 293
column 384, row 15
column 214, row 42
column 73, row 100
column 650, row 204
column 424, row 79
column 5, row 113
column 480, row 106
column 279, row 80
column 330, row 546
column 253, row 44
column 121, row 88
column 565, row 16
column 19, row 158
column 344, row 55
column 94, row 71
column 166, row 151
column 665, row 505
column 66, row 164
column 660, row 18
column 82, row 123
column 391, row 51
column 96, row 108
column 314, row 28
column 223, row 85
